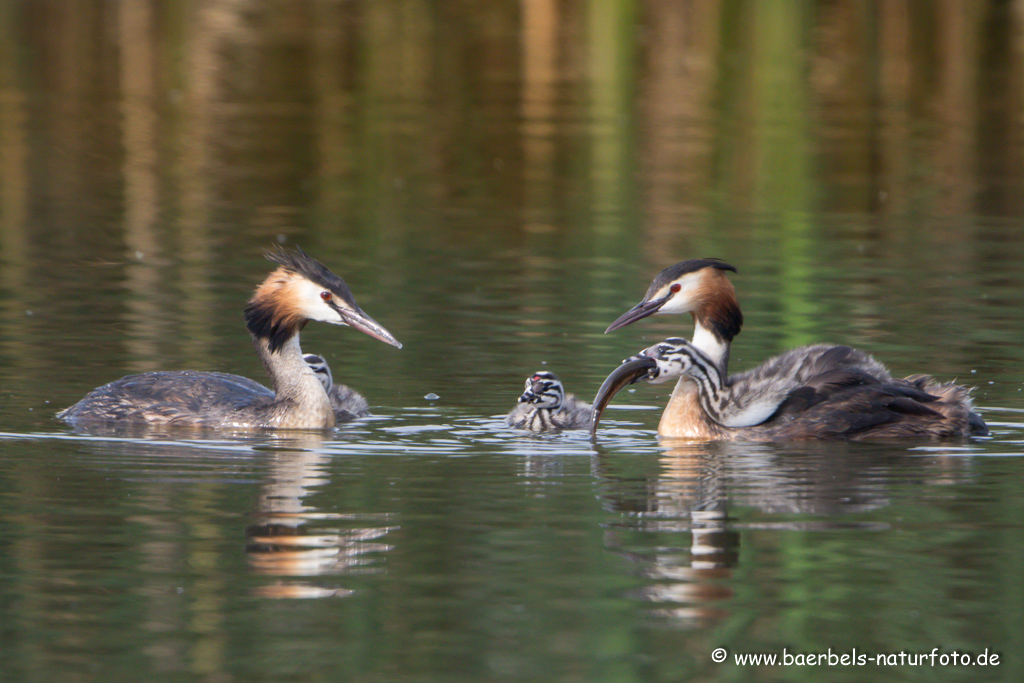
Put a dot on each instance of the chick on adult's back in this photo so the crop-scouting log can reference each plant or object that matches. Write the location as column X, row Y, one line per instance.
column 347, row 403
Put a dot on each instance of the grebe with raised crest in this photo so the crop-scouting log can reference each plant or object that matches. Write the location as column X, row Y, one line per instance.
column 299, row 290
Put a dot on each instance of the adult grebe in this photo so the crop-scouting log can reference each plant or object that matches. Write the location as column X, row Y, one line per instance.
column 545, row 406
column 299, row 290
column 816, row 392
column 836, row 391
column 347, row 403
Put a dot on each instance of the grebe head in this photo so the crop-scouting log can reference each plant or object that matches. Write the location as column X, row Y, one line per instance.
column 688, row 287
column 673, row 358
column 320, row 368
column 544, row 390
column 303, row 289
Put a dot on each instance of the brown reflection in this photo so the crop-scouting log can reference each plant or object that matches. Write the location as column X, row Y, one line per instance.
column 333, row 46
column 17, row 339
column 611, row 69
column 956, row 110
column 539, row 110
column 677, row 528
column 292, row 541
column 676, row 98
column 999, row 97
column 143, row 129
column 687, row 496
column 147, row 300
column 893, row 96
column 205, row 73
column 890, row 165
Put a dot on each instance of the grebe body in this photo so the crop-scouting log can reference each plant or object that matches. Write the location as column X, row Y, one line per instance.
column 817, row 391
column 544, row 406
column 348, row 404
column 299, row 290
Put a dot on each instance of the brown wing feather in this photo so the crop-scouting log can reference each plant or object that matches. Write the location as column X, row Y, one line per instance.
column 166, row 397
column 840, row 392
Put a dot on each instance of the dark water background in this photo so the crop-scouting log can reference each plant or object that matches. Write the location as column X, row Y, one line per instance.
column 497, row 182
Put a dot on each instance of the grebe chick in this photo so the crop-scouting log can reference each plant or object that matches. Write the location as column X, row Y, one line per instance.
column 348, row 404
column 299, row 290
column 815, row 373
column 545, row 406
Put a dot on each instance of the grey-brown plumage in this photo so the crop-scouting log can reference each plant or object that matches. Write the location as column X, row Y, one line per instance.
column 348, row 404
column 299, row 290
column 818, row 391
column 815, row 392
column 544, row 406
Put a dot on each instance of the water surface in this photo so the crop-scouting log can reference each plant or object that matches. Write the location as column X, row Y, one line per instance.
column 497, row 184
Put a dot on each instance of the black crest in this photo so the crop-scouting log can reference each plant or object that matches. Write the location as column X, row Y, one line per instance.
column 267, row 319
column 724, row 320
column 301, row 263
column 683, row 267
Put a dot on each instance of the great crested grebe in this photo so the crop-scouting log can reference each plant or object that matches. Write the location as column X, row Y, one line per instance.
column 347, row 403
column 811, row 392
column 299, row 290
column 545, row 406
column 815, row 392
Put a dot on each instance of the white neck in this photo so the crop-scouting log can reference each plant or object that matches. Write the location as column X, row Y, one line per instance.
column 712, row 347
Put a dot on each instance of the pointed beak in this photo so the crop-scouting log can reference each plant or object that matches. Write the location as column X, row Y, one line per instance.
column 638, row 312
column 621, row 377
column 367, row 325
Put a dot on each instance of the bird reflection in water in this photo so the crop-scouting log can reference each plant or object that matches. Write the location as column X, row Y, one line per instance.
column 296, row 542
column 680, row 528
column 686, row 497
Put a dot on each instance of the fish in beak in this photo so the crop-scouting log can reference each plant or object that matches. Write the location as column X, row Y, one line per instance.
column 627, row 373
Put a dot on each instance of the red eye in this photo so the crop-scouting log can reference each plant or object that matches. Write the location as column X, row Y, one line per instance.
column 675, row 287
column 326, row 296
